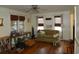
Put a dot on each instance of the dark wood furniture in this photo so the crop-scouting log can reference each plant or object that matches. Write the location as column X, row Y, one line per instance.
column 5, row 44
column 17, row 35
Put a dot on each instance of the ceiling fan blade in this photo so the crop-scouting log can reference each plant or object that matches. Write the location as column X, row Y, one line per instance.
column 33, row 9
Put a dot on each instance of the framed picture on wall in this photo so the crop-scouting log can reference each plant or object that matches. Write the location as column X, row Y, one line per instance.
column 1, row 21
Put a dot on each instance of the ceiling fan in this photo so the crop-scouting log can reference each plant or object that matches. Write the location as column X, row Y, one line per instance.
column 34, row 9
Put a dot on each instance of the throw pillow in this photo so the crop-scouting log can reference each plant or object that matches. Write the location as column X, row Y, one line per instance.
column 55, row 35
column 42, row 32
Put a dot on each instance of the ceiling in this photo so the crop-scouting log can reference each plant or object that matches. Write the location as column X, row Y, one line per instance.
column 42, row 8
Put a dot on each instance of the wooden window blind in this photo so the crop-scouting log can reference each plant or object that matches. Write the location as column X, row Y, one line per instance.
column 57, row 24
column 48, row 18
column 14, row 17
column 40, row 24
column 21, row 18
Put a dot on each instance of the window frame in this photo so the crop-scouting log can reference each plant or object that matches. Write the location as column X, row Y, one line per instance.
column 17, row 19
column 40, row 24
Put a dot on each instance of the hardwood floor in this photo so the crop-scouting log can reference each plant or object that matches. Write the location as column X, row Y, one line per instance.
column 64, row 47
column 38, row 47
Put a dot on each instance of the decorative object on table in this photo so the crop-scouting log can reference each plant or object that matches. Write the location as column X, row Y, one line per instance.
column 1, row 21
column 28, row 35
column 13, row 38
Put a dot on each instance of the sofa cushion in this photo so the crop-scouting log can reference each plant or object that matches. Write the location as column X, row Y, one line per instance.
column 42, row 32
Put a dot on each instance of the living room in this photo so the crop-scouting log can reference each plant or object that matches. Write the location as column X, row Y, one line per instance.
column 28, row 26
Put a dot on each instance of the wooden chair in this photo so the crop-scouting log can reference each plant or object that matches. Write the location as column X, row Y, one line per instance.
column 5, row 46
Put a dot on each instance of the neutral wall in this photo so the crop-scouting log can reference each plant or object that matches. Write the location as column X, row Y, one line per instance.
column 72, row 21
column 6, row 28
column 66, row 22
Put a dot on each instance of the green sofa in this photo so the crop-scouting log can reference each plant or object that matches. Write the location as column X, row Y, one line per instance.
column 51, row 36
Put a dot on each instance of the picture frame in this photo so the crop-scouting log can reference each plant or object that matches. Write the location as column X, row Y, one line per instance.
column 1, row 21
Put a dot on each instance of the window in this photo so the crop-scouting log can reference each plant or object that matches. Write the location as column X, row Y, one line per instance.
column 58, row 22
column 58, row 28
column 14, row 25
column 21, row 25
column 40, row 23
column 17, row 23
column 17, row 26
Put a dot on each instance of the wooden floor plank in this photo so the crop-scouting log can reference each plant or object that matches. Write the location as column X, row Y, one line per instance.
column 39, row 47
column 48, row 48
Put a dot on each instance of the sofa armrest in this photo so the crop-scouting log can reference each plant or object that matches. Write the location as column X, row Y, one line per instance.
column 56, row 35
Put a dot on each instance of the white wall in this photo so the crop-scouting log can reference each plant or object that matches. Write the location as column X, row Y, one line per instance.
column 72, row 21
column 66, row 22
column 66, row 26
column 6, row 28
